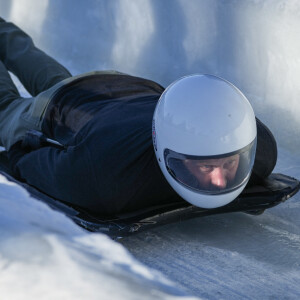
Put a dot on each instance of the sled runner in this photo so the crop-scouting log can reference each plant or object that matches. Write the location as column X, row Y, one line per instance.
column 275, row 189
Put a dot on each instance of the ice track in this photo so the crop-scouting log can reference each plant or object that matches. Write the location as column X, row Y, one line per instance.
column 255, row 44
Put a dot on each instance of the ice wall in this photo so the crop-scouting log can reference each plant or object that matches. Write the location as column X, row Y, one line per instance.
column 254, row 43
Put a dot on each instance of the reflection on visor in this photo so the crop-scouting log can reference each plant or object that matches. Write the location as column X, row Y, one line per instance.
column 211, row 174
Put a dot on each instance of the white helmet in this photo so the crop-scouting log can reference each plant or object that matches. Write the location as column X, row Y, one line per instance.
column 204, row 136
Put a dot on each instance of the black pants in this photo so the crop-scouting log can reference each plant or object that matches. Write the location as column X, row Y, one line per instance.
column 36, row 70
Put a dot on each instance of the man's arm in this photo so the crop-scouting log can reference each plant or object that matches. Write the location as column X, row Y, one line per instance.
column 61, row 174
column 266, row 153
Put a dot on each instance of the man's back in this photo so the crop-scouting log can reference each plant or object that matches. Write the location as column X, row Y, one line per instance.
column 108, row 164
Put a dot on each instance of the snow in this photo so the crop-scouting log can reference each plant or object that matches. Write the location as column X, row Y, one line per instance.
column 44, row 255
column 254, row 44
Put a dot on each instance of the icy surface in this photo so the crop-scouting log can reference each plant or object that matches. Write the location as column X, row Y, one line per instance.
column 230, row 256
column 255, row 44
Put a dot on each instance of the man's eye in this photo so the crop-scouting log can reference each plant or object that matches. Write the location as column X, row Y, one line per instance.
column 230, row 164
column 206, row 168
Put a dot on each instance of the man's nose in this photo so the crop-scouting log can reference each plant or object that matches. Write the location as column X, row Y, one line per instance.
column 218, row 178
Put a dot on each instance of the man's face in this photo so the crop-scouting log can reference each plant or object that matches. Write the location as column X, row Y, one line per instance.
column 214, row 174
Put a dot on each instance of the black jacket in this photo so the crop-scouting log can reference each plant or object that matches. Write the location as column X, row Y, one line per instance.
column 109, row 165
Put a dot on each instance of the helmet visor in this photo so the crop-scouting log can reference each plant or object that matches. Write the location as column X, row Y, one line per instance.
column 212, row 175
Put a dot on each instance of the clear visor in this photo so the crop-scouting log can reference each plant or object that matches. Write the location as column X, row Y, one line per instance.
column 212, row 175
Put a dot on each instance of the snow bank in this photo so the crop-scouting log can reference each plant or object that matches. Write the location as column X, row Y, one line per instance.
column 44, row 255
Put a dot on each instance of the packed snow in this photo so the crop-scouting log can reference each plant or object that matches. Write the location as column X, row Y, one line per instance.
column 254, row 44
column 44, row 255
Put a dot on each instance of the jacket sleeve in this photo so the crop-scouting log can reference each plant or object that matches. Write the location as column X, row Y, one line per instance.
column 266, row 154
column 61, row 174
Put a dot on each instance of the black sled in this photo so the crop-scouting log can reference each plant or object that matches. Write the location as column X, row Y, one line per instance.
column 275, row 189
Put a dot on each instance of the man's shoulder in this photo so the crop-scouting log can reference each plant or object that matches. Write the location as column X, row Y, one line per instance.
column 113, row 76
